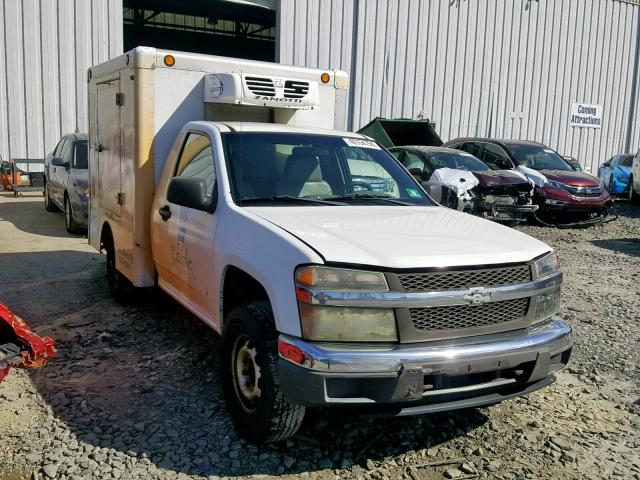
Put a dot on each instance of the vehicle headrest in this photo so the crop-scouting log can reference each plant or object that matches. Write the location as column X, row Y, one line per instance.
column 303, row 164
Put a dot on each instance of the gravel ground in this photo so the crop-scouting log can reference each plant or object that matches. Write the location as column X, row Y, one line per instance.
column 134, row 391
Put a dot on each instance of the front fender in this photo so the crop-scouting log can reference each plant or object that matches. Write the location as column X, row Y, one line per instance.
column 267, row 253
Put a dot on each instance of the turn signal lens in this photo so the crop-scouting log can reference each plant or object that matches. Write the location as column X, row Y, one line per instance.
column 546, row 265
column 341, row 279
column 325, row 77
column 169, row 60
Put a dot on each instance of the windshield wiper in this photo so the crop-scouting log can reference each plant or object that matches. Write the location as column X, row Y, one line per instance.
column 374, row 196
column 290, row 198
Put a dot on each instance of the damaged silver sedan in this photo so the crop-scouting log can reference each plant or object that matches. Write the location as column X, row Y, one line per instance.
column 458, row 180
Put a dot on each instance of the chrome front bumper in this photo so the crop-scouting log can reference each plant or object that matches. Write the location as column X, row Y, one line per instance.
column 431, row 373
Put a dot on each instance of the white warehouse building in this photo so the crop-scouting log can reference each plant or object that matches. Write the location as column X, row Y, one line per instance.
column 561, row 72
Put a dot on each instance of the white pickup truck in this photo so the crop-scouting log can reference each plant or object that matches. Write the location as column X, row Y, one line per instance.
column 331, row 275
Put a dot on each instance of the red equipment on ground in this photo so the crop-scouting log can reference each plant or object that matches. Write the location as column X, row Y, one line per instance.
column 19, row 346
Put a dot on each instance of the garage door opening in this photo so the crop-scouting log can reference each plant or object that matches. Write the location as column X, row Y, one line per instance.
column 233, row 28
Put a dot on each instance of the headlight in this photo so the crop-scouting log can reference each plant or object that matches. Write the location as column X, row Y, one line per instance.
column 330, row 323
column 546, row 265
column 547, row 305
column 328, row 278
column 347, row 324
column 557, row 185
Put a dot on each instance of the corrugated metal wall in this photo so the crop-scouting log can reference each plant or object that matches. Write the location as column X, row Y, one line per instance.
column 46, row 47
column 499, row 68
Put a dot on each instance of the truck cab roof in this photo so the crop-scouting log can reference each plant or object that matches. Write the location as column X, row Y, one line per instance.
column 279, row 128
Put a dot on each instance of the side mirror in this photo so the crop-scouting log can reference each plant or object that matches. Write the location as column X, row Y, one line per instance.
column 59, row 162
column 190, row 192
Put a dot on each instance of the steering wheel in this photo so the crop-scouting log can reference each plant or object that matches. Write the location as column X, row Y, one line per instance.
column 359, row 183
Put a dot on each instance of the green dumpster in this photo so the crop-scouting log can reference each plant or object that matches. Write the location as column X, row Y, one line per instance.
column 399, row 132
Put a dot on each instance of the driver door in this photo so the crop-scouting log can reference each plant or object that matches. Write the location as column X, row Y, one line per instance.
column 183, row 243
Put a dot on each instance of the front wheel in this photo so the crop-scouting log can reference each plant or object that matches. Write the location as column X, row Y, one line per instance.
column 611, row 186
column 632, row 195
column 250, row 379
column 69, row 220
column 120, row 287
column 49, row 206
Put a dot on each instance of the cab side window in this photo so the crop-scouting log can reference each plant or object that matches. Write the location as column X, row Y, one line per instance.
column 473, row 148
column 396, row 153
column 67, row 152
column 196, row 160
column 411, row 160
column 495, row 157
column 60, row 147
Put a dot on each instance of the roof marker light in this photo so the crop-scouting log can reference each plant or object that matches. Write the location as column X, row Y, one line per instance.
column 169, row 60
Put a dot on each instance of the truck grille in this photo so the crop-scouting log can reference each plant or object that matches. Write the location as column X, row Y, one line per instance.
column 468, row 316
column 463, row 279
column 260, row 86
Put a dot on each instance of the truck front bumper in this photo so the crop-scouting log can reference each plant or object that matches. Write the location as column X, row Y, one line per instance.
column 427, row 377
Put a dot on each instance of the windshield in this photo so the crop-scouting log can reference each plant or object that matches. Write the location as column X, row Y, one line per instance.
column 268, row 167
column 81, row 155
column 626, row 161
column 459, row 161
column 537, row 157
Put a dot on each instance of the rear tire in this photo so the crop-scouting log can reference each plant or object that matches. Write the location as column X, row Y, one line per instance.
column 49, row 206
column 73, row 227
column 120, row 287
column 632, row 195
column 250, row 377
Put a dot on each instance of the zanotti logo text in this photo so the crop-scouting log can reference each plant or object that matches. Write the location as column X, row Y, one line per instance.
column 264, row 98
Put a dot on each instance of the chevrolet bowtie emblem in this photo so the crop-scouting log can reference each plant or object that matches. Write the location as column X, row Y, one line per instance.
column 477, row 296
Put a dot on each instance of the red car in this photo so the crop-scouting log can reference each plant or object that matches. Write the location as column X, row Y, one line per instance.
column 19, row 346
column 563, row 194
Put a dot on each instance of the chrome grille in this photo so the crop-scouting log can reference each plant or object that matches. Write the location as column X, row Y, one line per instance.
column 295, row 89
column 585, row 191
column 462, row 279
column 468, row 316
column 260, row 86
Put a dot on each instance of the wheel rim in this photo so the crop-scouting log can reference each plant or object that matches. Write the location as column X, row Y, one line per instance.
column 246, row 374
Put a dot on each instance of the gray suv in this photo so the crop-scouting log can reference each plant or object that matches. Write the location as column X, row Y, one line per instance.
column 67, row 181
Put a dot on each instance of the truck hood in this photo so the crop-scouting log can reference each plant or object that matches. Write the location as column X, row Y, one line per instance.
column 572, row 178
column 403, row 237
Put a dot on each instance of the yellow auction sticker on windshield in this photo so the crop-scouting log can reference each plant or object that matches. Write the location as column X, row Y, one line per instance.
column 413, row 193
column 361, row 142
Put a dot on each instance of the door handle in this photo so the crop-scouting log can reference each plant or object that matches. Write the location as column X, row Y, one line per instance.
column 97, row 147
column 165, row 212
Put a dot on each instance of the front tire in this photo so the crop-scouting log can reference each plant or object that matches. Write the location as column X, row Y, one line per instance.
column 250, row 377
column 611, row 186
column 632, row 195
column 120, row 287
column 49, row 206
column 70, row 223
